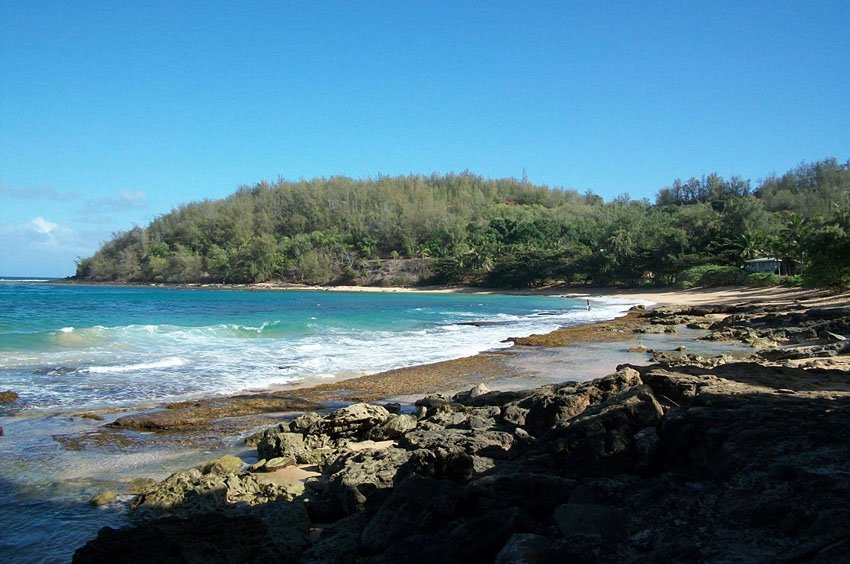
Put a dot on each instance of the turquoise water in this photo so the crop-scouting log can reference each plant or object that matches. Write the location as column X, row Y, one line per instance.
column 95, row 347
column 66, row 349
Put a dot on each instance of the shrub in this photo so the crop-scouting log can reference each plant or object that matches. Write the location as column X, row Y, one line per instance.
column 796, row 280
column 762, row 279
column 711, row 275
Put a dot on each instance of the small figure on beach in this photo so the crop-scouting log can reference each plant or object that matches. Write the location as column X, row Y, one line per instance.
column 588, row 305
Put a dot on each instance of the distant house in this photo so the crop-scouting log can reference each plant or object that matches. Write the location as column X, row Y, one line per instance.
column 771, row 265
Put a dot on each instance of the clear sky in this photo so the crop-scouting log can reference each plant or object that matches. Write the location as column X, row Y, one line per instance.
column 112, row 113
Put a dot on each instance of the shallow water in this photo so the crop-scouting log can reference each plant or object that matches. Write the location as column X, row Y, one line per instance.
column 67, row 349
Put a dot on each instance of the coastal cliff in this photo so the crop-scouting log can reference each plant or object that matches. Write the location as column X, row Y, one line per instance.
column 688, row 458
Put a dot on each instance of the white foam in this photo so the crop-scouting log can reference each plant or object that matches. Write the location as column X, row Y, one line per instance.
column 170, row 362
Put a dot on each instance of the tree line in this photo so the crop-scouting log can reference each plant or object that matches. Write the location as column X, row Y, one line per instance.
column 495, row 232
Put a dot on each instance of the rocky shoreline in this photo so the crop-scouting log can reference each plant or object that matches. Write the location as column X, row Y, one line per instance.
column 689, row 458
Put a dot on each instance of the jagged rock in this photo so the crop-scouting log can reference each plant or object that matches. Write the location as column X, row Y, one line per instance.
column 354, row 477
column 656, row 329
column 538, row 494
column 103, row 498
column 478, row 539
column 524, row 548
column 611, row 524
column 677, row 387
column 601, row 441
column 141, row 485
column 227, row 464
column 417, row 505
column 275, row 444
column 393, row 407
column 303, row 423
column 394, row 427
column 514, row 414
column 270, row 533
column 551, row 405
column 609, row 492
column 496, row 398
column 810, row 351
column 277, row 463
column 210, row 536
column 355, row 420
column 648, row 448
column 339, row 542
column 443, row 464
column 476, row 391
column 449, row 418
column 309, row 449
column 493, row 444
column 8, row 396
column 435, row 403
column 206, row 488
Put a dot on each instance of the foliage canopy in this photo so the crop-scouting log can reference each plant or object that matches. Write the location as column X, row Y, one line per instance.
column 463, row 228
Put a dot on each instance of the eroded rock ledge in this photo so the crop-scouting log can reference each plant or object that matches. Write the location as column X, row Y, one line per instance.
column 739, row 461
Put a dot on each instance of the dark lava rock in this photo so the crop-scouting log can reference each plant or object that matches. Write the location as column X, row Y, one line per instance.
column 8, row 396
column 611, row 524
column 355, row 420
column 601, row 441
column 355, row 477
column 417, row 505
column 275, row 532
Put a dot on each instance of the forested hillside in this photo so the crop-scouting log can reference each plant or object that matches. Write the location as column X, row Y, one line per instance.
column 502, row 233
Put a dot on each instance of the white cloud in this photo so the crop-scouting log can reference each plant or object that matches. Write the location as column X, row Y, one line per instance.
column 42, row 225
column 38, row 193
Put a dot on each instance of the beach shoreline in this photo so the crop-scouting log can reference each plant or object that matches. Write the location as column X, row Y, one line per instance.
column 682, row 431
column 663, row 296
column 509, row 367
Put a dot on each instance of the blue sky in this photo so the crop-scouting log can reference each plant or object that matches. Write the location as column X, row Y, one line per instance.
column 112, row 113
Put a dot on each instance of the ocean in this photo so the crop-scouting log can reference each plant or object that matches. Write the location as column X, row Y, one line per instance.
column 66, row 349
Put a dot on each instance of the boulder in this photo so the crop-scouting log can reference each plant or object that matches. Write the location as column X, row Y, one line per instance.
column 393, row 428
column 275, row 532
column 208, row 537
column 8, row 396
column 611, row 524
column 537, row 494
column 353, row 421
column 492, row 444
column 524, row 548
column 103, row 498
column 354, row 477
column 339, row 542
column 227, row 464
column 303, row 423
column 417, row 505
column 601, row 441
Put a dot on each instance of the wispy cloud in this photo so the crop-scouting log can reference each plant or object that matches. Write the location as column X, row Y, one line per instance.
column 45, row 248
column 38, row 193
column 126, row 200
column 92, row 211
column 43, row 226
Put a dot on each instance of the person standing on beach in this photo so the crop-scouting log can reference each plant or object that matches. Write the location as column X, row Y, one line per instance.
column 588, row 305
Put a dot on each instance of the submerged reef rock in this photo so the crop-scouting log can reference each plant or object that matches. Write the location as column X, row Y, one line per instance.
column 8, row 396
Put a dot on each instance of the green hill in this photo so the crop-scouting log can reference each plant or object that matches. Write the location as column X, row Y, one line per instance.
column 462, row 228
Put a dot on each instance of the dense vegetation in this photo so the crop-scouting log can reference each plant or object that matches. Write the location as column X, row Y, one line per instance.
column 463, row 228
